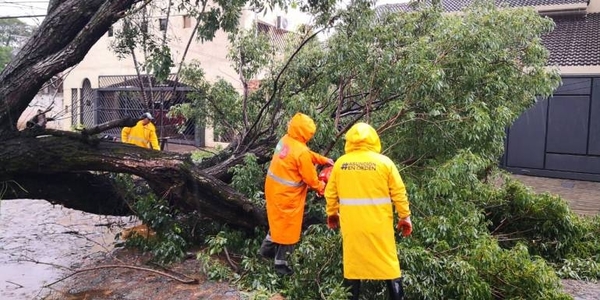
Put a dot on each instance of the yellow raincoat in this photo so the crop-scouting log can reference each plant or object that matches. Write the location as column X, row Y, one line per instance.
column 141, row 135
column 363, row 187
column 290, row 174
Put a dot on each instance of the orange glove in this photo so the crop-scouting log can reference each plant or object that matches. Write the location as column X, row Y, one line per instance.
column 405, row 226
column 321, row 190
column 333, row 221
column 325, row 174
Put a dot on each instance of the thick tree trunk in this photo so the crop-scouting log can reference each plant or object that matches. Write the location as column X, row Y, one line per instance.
column 69, row 30
column 84, row 191
column 68, row 168
column 170, row 175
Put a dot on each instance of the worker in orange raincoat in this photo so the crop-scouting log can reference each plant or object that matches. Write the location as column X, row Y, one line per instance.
column 291, row 172
column 143, row 134
column 363, row 187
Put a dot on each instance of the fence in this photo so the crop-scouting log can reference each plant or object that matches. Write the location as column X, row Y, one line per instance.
column 128, row 95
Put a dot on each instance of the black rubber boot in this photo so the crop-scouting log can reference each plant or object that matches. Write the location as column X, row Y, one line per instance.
column 395, row 289
column 354, row 285
column 283, row 270
column 268, row 248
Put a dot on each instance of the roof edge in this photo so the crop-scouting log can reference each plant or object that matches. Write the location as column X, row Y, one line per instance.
column 579, row 70
column 562, row 8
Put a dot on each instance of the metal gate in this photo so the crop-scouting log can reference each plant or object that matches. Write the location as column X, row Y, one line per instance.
column 130, row 95
column 560, row 136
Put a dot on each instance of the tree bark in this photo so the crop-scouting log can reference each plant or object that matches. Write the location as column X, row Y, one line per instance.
column 52, row 4
column 84, row 191
column 219, row 165
column 65, row 36
column 170, row 175
column 69, row 168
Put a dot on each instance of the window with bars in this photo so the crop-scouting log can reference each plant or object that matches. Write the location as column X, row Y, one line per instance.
column 277, row 37
column 74, row 106
column 187, row 21
column 162, row 24
column 144, row 27
column 263, row 28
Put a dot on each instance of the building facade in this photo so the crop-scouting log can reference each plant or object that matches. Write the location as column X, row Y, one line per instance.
column 104, row 86
column 560, row 136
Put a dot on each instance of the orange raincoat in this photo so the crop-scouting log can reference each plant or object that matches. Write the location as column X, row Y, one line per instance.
column 363, row 187
column 141, row 135
column 290, row 173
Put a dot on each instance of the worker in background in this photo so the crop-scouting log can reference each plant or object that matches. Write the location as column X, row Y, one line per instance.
column 143, row 134
column 39, row 120
column 291, row 172
column 363, row 187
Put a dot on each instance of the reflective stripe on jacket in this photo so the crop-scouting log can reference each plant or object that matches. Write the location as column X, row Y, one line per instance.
column 363, row 187
column 290, row 174
column 141, row 135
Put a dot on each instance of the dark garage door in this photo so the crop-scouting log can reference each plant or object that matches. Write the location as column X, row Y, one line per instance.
column 559, row 137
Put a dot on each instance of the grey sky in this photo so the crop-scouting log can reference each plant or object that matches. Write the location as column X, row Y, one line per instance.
column 24, row 8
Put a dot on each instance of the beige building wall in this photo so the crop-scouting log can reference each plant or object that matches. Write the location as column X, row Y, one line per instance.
column 579, row 70
column 46, row 99
column 593, row 6
column 101, row 60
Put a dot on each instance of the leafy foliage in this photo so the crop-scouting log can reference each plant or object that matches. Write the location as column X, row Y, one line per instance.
column 248, row 180
column 170, row 242
column 546, row 225
column 13, row 34
column 5, row 56
column 440, row 89
column 138, row 32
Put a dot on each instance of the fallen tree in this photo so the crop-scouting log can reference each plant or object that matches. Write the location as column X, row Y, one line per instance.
column 72, row 168
column 37, row 159
column 440, row 89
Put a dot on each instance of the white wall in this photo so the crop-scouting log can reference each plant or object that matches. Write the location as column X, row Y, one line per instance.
column 593, row 6
column 100, row 60
column 43, row 101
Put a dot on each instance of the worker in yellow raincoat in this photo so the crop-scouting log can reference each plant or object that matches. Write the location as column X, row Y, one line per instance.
column 143, row 134
column 291, row 172
column 363, row 187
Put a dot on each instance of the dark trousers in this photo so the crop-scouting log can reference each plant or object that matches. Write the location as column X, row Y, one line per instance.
column 280, row 253
column 395, row 289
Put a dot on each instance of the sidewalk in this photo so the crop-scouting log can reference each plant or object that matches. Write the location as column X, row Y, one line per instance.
column 172, row 147
column 583, row 196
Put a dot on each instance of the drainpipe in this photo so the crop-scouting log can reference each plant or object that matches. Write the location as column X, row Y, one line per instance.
column 569, row 12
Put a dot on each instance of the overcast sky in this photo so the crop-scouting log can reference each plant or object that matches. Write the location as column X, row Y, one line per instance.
column 24, row 8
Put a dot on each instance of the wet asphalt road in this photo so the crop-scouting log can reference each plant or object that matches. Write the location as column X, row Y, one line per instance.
column 40, row 243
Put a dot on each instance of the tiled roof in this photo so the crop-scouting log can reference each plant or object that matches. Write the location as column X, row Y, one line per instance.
column 575, row 41
column 457, row 5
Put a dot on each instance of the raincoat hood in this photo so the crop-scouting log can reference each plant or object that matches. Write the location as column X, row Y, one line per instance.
column 301, row 127
column 362, row 136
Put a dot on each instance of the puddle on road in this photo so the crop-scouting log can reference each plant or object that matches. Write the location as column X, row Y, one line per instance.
column 40, row 242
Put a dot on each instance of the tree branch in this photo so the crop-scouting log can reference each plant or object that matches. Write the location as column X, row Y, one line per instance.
column 81, row 24
column 185, row 186
column 84, row 191
column 185, row 281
